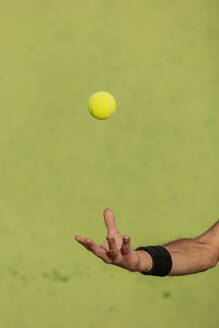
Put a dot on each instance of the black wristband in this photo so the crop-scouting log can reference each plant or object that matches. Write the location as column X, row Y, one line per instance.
column 162, row 261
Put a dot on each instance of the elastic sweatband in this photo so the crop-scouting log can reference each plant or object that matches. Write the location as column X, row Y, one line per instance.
column 162, row 261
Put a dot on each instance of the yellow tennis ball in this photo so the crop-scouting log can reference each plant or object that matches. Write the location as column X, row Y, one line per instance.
column 102, row 105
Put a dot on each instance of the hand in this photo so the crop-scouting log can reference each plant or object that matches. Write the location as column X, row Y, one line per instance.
column 116, row 249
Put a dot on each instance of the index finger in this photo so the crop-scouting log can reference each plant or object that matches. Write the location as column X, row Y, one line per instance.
column 110, row 220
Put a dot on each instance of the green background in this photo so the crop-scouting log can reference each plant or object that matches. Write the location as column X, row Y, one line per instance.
column 154, row 163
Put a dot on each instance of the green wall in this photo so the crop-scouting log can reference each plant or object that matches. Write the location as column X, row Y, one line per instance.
column 154, row 163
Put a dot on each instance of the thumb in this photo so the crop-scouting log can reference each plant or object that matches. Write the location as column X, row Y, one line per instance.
column 109, row 220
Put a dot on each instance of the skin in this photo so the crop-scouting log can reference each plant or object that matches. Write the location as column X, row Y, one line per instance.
column 188, row 255
column 116, row 249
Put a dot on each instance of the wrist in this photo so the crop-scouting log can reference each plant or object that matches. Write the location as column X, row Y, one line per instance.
column 145, row 261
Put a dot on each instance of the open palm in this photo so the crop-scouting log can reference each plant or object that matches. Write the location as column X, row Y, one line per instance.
column 116, row 249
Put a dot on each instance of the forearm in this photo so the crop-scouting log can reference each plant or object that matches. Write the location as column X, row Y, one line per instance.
column 188, row 256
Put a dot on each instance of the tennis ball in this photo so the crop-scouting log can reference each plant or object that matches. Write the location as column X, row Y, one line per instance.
column 102, row 105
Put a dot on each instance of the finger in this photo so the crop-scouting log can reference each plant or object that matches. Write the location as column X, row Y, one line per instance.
column 126, row 246
column 110, row 220
column 84, row 241
column 113, row 249
column 79, row 239
column 90, row 245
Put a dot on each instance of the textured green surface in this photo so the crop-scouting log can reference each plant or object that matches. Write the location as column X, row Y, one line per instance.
column 154, row 163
